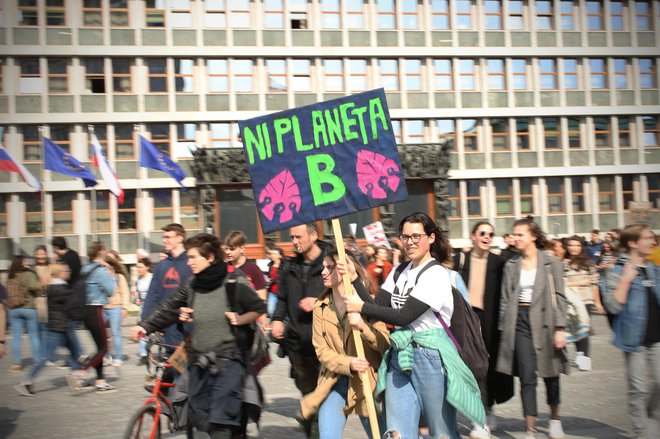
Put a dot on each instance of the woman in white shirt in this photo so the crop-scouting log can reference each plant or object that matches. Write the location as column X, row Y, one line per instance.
column 422, row 364
column 532, row 320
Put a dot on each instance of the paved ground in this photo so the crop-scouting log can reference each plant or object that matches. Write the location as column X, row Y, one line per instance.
column 594, row 403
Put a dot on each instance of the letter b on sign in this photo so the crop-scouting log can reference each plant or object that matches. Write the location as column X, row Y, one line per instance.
column 319, row 168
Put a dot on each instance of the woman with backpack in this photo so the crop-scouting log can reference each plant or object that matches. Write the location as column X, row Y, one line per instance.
column 99, row 286
column 22, row 287
column 422, row 371
column 532, row 321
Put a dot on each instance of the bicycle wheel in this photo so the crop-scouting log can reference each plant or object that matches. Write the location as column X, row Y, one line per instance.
column 141, row 424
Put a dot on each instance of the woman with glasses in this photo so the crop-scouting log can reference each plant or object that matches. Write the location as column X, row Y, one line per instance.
column 339, row 391
column 632, row 294
column 422, row 373
column 482, row 271
column 532, row 321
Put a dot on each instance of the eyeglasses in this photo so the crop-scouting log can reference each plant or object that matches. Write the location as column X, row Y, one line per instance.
column 415, row 237
column 484, row 233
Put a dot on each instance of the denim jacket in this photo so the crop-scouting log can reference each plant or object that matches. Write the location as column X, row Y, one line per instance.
column 99, row 285
column 630, row 318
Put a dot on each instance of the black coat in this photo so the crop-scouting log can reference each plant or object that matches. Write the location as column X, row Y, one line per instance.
column 58, row 297
column 500, row 387
column 294, row 286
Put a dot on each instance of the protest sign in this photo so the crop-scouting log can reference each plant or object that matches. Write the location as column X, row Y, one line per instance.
column 323, row 160
column 375, row 234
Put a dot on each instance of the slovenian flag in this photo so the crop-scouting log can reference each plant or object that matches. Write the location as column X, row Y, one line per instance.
column 100, row 161
column 8, row 164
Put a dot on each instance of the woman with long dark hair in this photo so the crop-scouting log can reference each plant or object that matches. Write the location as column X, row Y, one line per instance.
column 422, row 372
column 532, row 321
column 339, row 391
column 25, row 314
column 117, row 308
column 581, row 277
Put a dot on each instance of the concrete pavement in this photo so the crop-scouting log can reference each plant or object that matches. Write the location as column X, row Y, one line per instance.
column 593, row 403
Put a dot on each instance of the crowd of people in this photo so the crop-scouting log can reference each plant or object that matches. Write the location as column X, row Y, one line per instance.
column 208, row 292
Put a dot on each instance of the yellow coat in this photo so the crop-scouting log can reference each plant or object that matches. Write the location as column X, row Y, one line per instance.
column 334, row 345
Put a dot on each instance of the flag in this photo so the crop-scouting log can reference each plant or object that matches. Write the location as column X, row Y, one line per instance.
column 56, row 160
column 7, row 163
column 151, row 157
column 100, row 161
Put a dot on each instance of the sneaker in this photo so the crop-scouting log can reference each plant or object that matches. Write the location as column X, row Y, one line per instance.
column 142, row 361
column 555, row 429
column 491, row 420
column 24, row 389
column 583, row 363
column 105, row 388
column 76, row 385
column 117, row 363
column 480, row 432
column 107, row 361
column 531, row 434
column 63, row 365
column 50, row 363
column 16, row 368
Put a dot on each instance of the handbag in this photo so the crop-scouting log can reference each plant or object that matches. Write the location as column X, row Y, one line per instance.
column 578, row 322
column 259, row 356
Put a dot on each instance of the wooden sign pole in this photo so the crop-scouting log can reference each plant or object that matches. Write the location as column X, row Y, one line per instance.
column 364, row 377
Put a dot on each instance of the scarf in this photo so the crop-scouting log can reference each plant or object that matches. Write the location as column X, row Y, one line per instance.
column 210, row 278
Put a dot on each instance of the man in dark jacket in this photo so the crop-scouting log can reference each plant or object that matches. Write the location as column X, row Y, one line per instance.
column 169, row 274
column 300, row 284
column 67, row 256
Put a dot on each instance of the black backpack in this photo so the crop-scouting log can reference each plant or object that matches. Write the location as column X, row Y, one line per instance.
column 75, row 306
column 465, row 329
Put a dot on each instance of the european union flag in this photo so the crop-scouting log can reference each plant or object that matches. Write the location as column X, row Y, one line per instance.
column 151, row 157
column 56, row 160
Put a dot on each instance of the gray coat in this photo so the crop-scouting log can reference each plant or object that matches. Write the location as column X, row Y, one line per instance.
column 544, row 317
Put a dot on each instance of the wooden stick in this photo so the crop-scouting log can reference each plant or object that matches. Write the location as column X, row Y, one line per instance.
column 364, row 377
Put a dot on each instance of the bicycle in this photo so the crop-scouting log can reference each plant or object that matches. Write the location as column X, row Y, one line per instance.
column 146, row 421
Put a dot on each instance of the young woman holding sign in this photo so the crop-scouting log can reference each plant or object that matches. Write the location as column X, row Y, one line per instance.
column 339, row 390
column 422, row 370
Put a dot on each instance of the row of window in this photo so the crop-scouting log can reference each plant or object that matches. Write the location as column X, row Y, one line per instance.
column 163, row 75
column 351, row 14
column 559, row 195
column 65, row 220
column 467, row 199
column 474, row 135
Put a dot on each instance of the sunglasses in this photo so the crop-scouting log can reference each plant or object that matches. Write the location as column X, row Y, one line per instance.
column 484, row 233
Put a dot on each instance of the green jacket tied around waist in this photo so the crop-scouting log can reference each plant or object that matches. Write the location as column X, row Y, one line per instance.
column 461, row 387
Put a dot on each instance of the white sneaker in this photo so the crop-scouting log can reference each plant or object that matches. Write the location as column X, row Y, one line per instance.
column 117, row 363
column 555, row 429
column 49, row 363
column 480, row 432
column 491, row 421
column 531, row 434
column 583, row 363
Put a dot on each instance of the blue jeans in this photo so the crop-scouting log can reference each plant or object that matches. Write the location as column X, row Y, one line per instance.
column 113, row 316
column 331, row 418
column 19, row 318
column 55, row 340
column 76, row 349
column 43, row 339
column 422, row 391
column 271, row 304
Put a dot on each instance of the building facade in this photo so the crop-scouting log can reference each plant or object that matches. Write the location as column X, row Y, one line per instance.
column 546, row 108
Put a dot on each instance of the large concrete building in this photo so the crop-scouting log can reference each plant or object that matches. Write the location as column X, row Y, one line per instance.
column 548, row 108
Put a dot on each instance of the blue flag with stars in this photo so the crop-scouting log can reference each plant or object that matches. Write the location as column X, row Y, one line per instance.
column 57, row 160
column 152, row 157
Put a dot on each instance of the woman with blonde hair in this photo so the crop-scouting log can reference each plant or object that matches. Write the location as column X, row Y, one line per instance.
column 339, row 390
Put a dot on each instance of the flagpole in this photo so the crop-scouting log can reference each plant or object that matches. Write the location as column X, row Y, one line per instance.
column 146, row 242
column 48, row 229
column 90, row 132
